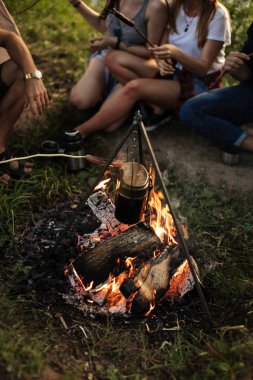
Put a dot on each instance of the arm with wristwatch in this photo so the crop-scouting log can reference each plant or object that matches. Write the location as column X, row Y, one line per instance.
column 36, row 93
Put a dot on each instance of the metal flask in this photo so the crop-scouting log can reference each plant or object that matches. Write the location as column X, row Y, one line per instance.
column 132, row 193
column 73, row 147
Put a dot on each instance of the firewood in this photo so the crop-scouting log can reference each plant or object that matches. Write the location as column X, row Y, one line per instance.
column 153, row 280
column 98, row 262
column 104, row 210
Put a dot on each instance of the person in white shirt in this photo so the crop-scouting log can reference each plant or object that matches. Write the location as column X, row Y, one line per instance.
column 192, row 57
column 126, row 48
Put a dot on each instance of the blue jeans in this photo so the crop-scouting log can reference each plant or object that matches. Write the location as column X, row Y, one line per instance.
column 218, row 115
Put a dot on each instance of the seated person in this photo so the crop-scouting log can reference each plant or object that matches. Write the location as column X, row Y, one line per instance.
column 20, row 85
column 197, row 35
column 128, row 47
column 220, row 114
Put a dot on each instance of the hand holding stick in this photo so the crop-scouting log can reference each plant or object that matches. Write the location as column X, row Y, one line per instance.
column 213, row 85
column 130, row 23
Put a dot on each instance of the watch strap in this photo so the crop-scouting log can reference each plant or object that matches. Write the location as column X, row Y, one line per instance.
column 35, row 74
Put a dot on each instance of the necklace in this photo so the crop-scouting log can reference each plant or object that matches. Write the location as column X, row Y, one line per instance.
column 187, row 23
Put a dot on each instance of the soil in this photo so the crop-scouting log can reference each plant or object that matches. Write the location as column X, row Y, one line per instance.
column 196, row 157
column 176, row 147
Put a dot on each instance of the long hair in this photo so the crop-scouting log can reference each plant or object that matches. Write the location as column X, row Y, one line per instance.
column 108, row 5
column 207, row 12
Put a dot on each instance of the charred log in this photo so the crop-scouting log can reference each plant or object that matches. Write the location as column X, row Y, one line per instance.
column 98, row 262
column 153, row 280
column 166, row 275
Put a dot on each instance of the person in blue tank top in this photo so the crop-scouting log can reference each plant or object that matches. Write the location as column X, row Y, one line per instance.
column 149, row 16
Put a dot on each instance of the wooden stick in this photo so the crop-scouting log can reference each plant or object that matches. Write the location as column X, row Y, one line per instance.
column 223, row 74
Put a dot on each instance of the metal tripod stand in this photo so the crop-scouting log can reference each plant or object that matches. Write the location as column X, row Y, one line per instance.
column 138, row 124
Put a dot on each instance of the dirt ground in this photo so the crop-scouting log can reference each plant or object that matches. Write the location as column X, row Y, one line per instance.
column 195, row 156
column 187, row 152
column 192, row 156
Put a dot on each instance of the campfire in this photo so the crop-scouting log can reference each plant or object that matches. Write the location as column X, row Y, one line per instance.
column 127, row 269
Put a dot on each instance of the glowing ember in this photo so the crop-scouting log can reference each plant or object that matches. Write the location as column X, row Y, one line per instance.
column 107, row 297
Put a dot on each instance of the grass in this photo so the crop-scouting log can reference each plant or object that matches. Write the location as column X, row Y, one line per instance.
column 33, row 342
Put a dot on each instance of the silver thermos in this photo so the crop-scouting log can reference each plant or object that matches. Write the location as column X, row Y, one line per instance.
column 74, row 147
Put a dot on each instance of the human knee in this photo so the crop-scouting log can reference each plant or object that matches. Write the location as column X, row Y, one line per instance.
column 19, row 87
column 189, row 112
column 133, row 89
column 12, row 73
column 185, row 111
column 77, row 100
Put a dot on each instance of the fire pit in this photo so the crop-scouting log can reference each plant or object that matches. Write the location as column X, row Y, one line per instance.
column 127, row 269
column 124, row 268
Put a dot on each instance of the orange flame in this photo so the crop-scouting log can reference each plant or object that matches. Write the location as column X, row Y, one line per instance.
column 152, row 305
column 108, row 294
column 130, row 266
column 160, row 218
column 88, row 287
column 102, row 185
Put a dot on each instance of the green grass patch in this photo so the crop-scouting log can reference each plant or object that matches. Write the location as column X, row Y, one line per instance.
column 33, row 342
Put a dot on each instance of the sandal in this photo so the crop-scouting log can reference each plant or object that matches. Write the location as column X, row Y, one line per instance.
column 5, row 179
column 15, row 169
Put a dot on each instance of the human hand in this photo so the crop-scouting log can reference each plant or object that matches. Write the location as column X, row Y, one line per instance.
column 101, row 42
column 165, row 67
column 234, row 61
column 166, row 51
column 36, row 96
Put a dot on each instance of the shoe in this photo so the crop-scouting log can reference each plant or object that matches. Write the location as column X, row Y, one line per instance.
column 157, row 120
column 152, row 120
column 23, row 167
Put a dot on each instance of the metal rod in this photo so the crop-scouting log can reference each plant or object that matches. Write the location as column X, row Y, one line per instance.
column 136, row 122
column 99, row 179
column 180, row 236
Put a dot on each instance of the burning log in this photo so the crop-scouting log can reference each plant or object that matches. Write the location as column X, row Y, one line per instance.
column 98, row 262
column 151, row 282
column 158, row 279
column 104, row 210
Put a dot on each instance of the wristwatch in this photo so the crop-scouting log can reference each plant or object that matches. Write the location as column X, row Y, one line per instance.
column 35, row 74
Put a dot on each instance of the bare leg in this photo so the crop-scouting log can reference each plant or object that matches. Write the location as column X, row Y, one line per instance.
column 125, row 66
column 118, row 123
column 12, row 104
column 89, row 89
column 11, row 107
column 160, row 92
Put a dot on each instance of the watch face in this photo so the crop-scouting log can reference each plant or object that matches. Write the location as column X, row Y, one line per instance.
column 37, row 74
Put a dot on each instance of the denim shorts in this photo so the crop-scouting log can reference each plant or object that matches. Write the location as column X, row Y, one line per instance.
column 109, row 79
column 198, row 85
